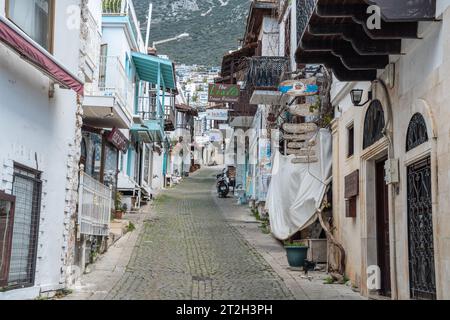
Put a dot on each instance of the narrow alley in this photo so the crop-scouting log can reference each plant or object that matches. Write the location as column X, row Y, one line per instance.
column 192, row 246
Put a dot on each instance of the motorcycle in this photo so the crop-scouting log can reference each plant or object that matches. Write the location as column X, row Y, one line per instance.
column 223, row 185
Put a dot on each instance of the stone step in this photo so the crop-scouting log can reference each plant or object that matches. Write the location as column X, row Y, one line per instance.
column 302, row 152
column 304, row 160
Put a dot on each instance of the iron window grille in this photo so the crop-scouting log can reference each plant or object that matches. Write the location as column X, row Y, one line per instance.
column 417, row 132
column 374, row 124
column 27, row 189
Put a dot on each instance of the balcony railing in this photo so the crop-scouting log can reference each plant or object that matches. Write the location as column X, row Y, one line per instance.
column 93, row 40
column 123, row 8
column 113, row 81
column 265, row 72
column 305, row 9
column 95, row 204
column 149, row 108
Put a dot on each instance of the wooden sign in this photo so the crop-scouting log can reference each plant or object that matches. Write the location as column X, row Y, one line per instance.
column 298, row 137
column 300, row 145
column 300, row 128
column 299, row 88
column 304, row 110
column 224, row 93
column 302, row 152
column 304, row 160
column 352, row 185
column 118, row 140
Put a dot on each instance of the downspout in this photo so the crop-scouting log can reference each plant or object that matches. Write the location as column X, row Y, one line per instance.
column 392, row 189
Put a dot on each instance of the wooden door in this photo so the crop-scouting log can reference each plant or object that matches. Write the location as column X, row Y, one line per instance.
column 382, row 217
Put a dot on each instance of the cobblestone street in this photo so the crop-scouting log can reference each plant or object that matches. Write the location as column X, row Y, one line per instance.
column 192, row 247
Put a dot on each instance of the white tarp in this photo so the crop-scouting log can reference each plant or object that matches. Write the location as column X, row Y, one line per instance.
column 296, row 191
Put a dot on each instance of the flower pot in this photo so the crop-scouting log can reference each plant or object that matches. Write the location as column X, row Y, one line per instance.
column 296, row 256
column 118, row 215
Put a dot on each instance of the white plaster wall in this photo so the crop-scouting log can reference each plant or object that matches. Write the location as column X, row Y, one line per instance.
column 269, row 35
column 37, row 132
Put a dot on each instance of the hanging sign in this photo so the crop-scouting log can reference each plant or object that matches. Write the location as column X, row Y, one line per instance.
column 118, row 140
column 300, row 128
column 217, row 114
column 304, row 110
column 298, row 88
column 224, row 93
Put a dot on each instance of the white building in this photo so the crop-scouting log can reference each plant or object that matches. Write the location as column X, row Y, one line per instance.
column 40, row 96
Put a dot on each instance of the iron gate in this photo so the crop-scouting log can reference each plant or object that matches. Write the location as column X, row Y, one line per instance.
column 420, row 225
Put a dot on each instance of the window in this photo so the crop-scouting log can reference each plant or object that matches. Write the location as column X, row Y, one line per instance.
column 35, row 18
column 27, row 190
column 7, row 203
column 287, row 37
column 417, row 132
column 351, row 140
column 373, row 124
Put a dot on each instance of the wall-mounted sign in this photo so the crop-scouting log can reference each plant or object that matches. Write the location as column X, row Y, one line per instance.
column 117, row 139
column 217, row 114
column 352, row 185
column 351, row 194
column 224, row 93
column 297, row 88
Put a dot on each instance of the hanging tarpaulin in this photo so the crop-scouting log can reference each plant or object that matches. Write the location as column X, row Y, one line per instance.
column 297, row 190
column 264, row 167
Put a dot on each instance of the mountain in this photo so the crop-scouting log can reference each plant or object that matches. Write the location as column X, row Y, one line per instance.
column 214, row 27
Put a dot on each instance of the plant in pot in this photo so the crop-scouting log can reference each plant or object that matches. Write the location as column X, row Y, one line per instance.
column 120, row 208
column 296, row 253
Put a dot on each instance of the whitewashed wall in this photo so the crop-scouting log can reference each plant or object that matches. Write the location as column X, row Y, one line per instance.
column 38, row 132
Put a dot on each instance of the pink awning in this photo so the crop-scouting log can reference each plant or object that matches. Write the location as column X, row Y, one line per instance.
column 29, row 50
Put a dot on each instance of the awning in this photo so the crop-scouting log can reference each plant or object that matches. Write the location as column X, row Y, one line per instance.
column 149, row 132
column 32, row 52
column 149, row 67
column 186, row 109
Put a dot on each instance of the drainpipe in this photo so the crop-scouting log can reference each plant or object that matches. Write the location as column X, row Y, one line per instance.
column 389, row 135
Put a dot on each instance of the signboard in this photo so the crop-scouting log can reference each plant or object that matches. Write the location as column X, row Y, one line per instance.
column 305, row 87
column 352, row 185
column 217, row 114
column 224, row 93
column 118, row 140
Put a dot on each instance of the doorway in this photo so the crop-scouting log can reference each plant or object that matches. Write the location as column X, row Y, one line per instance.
column 382, row 227
column 420, row 230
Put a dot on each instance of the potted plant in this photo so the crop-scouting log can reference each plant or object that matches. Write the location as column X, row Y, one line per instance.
column 296, row 253
column 119, row 207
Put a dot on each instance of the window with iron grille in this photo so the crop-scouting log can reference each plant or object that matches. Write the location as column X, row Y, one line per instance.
column 287, row 37
column 374, row 124
column 27, row 190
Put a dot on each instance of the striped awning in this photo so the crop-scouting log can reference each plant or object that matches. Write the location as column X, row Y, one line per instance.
column 34, row 54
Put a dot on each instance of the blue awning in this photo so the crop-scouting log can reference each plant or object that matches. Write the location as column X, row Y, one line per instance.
column 149, row 67
column 149, row 132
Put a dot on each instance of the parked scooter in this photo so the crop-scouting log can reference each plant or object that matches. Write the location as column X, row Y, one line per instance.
column 223, row 184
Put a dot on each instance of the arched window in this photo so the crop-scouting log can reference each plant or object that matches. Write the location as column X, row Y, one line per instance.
column 373, row 124
column 417, row 132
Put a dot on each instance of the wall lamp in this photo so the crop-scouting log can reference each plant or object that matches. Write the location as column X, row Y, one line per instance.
column 357, row 94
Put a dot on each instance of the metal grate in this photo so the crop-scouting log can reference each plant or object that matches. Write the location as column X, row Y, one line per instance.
column 27, row 190
column 95, row 203
column 373, row 124
column 417, row 132
column 420, row 227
